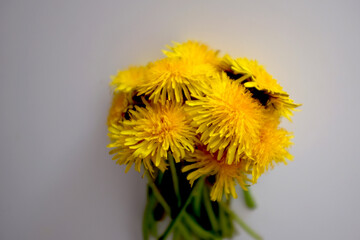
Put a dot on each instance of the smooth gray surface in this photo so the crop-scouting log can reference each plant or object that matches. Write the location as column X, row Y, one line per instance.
column 56, row 178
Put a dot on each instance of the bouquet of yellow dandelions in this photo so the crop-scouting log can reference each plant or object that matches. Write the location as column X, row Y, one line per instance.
column 198, row 124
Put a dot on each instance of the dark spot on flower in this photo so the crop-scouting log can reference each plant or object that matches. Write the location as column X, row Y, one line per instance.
column 233, row 76
column 262, row 96
column 211, row 180
column 138, row 101
column 127, row 115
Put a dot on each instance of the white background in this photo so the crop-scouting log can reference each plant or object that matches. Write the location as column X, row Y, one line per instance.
column 57, row 180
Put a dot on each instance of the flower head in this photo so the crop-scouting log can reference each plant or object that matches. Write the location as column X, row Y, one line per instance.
column 128, row 80
column 261, row 83
column 227, row 118
column 257, row 75
column 124, row 155
column 204, row 163
column 174, row 79
column 193, row 51
column 157, row 129
column 270, row 148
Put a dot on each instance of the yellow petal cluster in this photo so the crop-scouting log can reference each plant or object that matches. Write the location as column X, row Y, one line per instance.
column 125, row 155
column 152, row 131
column 174, row 79
column 119, row 106
column 156, row 129
column 128, row 80
column 219, row 117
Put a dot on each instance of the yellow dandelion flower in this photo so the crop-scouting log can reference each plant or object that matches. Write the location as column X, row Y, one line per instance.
column 283, row 106
column 193, row 51
column 157, row 129
column 261, row 83
column 227, row 118
column 124, row 155
column 119, row 105
column 271, row 147
column 204, row 163
column 128, row 80
column 173, row 79
column 255, row 74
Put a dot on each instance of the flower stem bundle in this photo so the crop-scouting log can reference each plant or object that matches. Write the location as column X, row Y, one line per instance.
column 199, row 125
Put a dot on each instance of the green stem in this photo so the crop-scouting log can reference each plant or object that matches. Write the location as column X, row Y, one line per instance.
column 209, row 210
column 197, row 199
column 249, row 200
column 201, row 232
column 229, row 220
column 152, row 221
column 182, row 211
column 174, row 178
column 176, row 234
column 145, row 226
column 183, row 231
column 222, row 220
column 159, row 177
column 242, row 224
column 158, row 195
